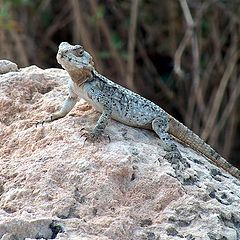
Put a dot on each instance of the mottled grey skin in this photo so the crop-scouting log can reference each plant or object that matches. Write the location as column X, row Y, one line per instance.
column 121, row 104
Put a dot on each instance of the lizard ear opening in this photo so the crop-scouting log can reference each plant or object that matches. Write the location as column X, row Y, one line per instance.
column 91, row 62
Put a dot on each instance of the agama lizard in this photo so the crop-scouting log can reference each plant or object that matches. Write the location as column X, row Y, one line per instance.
column 123, row 105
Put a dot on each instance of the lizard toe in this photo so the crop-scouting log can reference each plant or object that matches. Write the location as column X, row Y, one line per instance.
column 93, row 137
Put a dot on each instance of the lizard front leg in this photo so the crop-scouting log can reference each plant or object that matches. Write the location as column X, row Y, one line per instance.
column 68, row 105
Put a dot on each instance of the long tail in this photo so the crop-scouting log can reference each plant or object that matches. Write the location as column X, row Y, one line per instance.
column 184, row 134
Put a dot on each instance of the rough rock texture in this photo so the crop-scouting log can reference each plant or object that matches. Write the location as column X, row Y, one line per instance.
column 7, row 66
column 54, row 184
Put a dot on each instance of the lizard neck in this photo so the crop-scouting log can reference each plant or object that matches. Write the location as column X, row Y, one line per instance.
column 80, row 76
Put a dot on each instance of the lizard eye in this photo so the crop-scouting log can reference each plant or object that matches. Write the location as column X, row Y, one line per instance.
column 79, row 52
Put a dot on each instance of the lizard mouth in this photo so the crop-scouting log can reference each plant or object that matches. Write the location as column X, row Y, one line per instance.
column 76, row 60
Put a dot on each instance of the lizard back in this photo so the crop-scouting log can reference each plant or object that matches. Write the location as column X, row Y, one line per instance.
column 127, row 107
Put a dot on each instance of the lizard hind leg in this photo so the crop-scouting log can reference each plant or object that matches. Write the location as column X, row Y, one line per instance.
column 160, row 127
column 180, row 165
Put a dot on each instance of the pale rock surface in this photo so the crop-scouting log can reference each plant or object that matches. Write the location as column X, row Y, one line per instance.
column 7, row 66
column 56, row 185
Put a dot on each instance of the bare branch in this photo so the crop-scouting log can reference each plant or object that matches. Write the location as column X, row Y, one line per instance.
column 131, row 44
column 230, row 135
column 107, row 33
column 186, row 12
column 80, row 30
column 226, row 113
column 196, row 95
column 186, row 38
column 179, row 52
column 220, row 93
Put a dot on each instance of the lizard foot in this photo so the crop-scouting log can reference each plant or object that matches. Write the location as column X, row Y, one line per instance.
column 52, row 118
column 91, row 136
column 44, row 121
column 173, row 154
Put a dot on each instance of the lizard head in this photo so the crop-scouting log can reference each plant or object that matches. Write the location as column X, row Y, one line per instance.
column 76, row 61
column 74, row 57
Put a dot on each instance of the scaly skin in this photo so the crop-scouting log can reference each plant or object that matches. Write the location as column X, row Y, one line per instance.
column 125, row 106
column 184, row 134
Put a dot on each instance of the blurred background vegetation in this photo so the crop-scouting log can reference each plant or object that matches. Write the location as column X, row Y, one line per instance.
column 181, row 54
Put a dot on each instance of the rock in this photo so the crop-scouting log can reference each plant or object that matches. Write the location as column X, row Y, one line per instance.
column 7, row 66
column 54, row 184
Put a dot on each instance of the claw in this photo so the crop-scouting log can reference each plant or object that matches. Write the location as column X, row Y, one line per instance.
column 44, row 121
column 85, row 133
column 90, row 136
column 40, row 122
